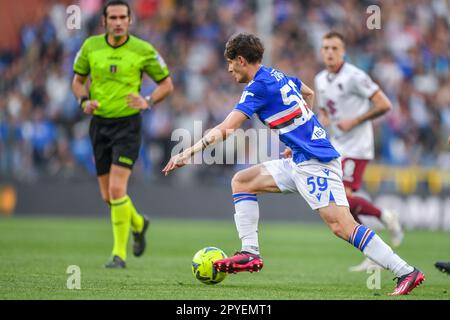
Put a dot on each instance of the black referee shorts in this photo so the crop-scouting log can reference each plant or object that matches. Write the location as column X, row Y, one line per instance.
column 115, row 141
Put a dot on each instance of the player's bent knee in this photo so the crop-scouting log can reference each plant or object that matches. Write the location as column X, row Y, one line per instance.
column 238, row 183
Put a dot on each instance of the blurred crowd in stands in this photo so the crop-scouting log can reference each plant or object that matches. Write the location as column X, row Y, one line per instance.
column 43, row 133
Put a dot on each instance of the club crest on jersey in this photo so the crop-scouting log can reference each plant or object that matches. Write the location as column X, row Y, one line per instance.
column 318, row 133
column 113, row 68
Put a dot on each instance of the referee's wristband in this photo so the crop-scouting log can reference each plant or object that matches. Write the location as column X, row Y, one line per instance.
column 81, row 100
column 150, row 101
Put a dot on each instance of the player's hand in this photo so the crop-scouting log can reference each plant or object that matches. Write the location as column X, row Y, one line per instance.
column 287, row 153
column 89, row 106
column 347, row 124
column 175, row 162
column 136, row 101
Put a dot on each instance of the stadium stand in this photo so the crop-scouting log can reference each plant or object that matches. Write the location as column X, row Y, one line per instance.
column 43, row 134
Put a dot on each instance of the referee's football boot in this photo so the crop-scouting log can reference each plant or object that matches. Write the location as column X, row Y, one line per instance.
column 241, row 261
column 408, row 282
column 116, row 263
column 139, row 239
column 443, row 266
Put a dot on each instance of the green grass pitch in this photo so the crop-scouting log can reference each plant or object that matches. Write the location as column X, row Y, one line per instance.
column 302, row 261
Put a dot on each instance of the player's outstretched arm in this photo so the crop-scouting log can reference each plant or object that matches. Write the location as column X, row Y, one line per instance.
column 219, row 133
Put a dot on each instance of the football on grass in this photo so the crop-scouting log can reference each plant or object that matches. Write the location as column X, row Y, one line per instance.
column 202, row 265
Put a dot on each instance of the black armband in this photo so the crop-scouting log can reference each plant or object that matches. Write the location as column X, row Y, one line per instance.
column 204, row 143
column 81, row 100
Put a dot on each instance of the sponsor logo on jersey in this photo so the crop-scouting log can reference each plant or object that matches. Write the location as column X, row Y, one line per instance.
column 318, row 133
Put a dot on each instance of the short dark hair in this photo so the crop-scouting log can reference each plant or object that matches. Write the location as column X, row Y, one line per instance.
column 115, row 3
column 334, row 34
column 246, row 45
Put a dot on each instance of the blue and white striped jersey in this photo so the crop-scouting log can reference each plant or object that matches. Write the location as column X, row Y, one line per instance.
column 276, row 99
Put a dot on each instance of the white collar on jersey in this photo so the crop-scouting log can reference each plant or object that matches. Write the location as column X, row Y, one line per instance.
column 333, row 75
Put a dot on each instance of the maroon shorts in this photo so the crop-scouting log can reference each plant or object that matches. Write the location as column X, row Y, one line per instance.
column 353, row 172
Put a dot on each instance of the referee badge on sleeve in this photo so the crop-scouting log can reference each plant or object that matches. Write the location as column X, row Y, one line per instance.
column 113, row 68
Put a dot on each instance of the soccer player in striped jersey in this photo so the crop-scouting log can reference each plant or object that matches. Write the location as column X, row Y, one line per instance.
column 348, row 101
column 314, row 170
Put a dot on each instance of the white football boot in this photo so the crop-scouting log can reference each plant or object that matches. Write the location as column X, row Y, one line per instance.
column 365, row 265
column 392, row 224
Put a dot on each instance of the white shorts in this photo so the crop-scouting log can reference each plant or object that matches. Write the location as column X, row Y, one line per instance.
column 319, row 183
